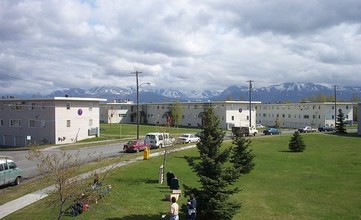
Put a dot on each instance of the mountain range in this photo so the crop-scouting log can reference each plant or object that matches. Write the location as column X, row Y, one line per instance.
column 289, row 91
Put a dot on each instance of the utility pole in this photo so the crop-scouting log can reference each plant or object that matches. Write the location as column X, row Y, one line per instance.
column 250, row 102
column 137, row 114
column 334, row 89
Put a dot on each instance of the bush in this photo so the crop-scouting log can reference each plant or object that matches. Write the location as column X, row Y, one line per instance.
column 296, row 143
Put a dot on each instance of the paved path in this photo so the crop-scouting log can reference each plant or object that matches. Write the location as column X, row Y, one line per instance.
column 19, row 203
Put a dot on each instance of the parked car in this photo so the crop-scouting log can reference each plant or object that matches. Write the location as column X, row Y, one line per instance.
column 188, row 138
column 307, row 129
column 135, row 146
column 244, row 131
column 326, row 128
column 259, row 126
column 9, row 172
column 271, row 131
column 159, row 140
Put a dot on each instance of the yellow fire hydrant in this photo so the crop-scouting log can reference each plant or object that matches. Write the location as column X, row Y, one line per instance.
column 146, row 153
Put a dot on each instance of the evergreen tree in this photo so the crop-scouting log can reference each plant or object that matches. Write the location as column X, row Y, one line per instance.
column 340, row 124
column 216, row 174
column 296, row 143
column 241, row 156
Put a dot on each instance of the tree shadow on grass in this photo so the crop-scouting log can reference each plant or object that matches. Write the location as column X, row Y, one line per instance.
column 288, row 151
column 137, row 217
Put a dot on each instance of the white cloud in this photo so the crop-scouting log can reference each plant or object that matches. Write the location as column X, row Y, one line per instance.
column 48, row 45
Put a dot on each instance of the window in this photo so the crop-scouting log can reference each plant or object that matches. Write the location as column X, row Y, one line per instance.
column 42, row 124
column 90, row 106
column 232, row 118
column 33, row 105
column 31, row 123
column 90, row 122
column 306, row 116
column 18, row 106
column 68, row 123
column 1, row 122
column 68, row 105
column 15, row 122
column 43, row 105
column 346, row 106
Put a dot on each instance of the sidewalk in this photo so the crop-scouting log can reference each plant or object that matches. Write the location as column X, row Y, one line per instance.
column 19, row 203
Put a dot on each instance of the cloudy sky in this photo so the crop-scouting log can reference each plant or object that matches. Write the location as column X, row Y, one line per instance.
column 46, row 45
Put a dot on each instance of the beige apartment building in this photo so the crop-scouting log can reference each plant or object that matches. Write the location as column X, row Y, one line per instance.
column 295, row 115
column 230, row 113
column 57, row 120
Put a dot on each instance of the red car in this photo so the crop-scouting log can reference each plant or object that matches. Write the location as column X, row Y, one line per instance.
column 135, row 146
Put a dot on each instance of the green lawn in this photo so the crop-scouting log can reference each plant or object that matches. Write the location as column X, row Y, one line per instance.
column 324, row 182
column 126, row 131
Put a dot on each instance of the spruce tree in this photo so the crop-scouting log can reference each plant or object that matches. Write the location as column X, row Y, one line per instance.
column 216, row 174
column 242, row 157
column 296, row 143
column 340, row 124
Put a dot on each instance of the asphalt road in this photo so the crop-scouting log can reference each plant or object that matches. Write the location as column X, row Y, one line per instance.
column 30, row 167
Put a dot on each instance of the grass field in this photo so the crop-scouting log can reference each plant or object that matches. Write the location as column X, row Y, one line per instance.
column 324, row 182
column 121, row 131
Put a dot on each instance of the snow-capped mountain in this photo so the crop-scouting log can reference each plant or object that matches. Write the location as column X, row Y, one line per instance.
column 289, row 91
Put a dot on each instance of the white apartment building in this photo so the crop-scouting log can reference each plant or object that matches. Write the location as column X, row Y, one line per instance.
column 119, row 111
column 230, row 113
column 295, row 115
column 57, row 120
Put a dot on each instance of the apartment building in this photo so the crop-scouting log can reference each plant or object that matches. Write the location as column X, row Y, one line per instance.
column 118, row 111
column 230, row 113
column 295, row 115
column 57, row 120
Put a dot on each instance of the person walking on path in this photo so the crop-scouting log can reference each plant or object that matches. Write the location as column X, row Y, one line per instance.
column 174, row 210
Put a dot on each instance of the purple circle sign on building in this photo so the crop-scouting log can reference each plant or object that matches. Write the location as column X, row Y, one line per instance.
column 80, row 112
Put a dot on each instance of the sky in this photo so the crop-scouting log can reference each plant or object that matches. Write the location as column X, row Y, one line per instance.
column 177, row 44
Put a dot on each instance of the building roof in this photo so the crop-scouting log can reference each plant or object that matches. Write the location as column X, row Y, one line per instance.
column 55, row 99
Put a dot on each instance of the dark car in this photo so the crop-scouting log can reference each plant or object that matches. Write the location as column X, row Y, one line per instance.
column 326, row 128
column 135, row 146
column 271, row 131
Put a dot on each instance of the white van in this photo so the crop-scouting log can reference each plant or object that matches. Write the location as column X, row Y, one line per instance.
column 158, row 140
column 9, row 172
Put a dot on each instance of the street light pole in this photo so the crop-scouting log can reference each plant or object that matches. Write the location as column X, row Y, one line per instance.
column 335, row 93
column 138, row 86
column 137, row 113
column 250, row 102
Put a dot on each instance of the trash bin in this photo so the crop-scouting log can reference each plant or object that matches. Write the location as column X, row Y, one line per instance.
column 170, row 176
